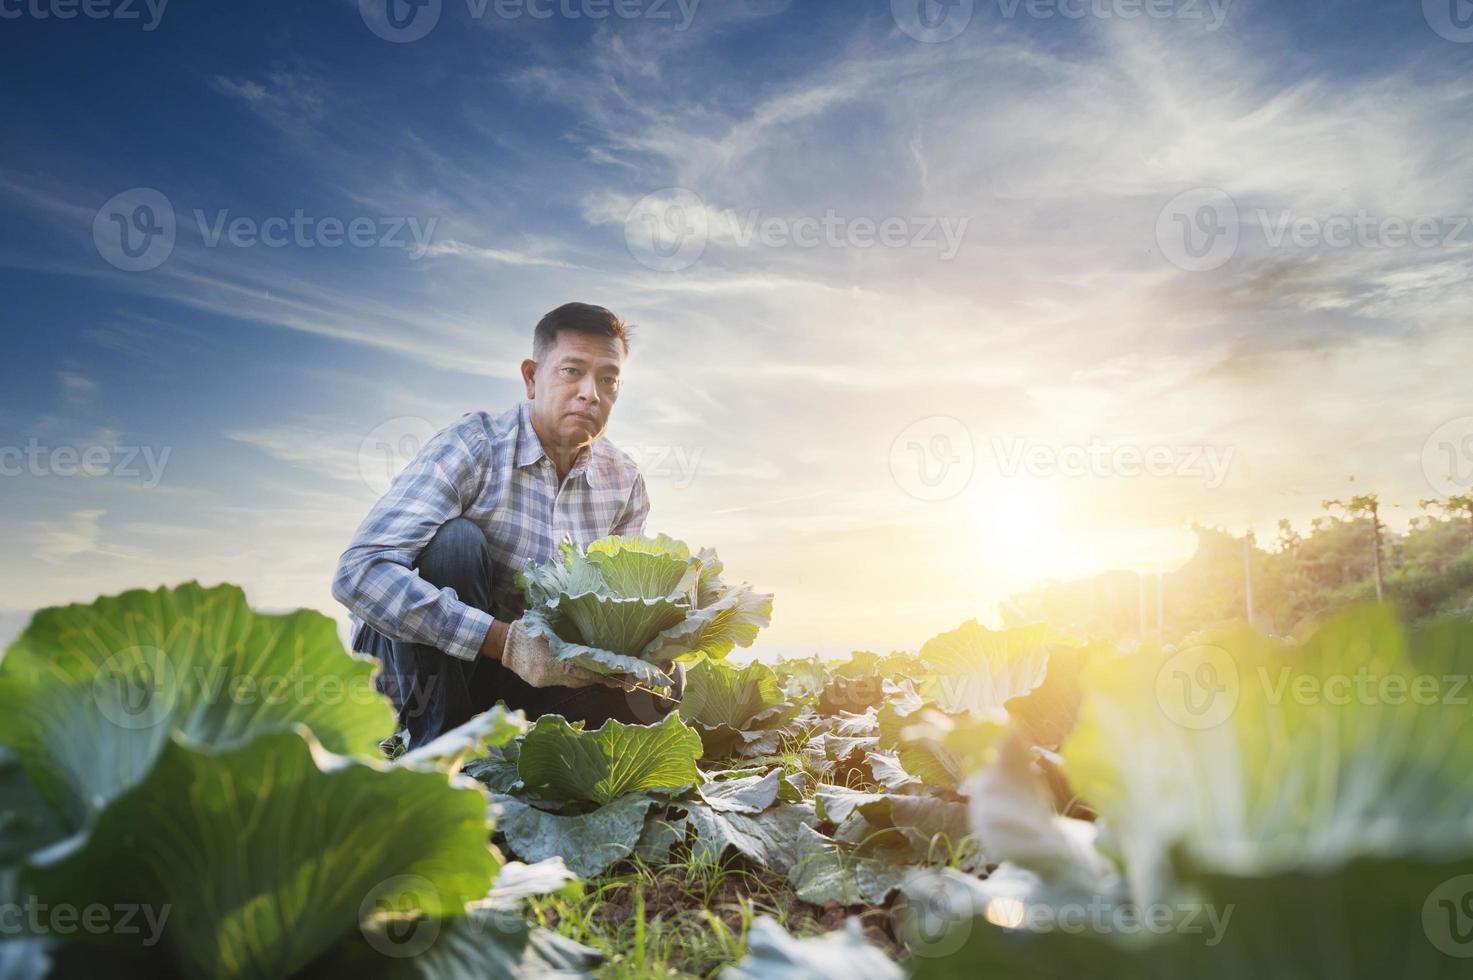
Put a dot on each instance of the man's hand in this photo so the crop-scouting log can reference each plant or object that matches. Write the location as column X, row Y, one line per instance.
column 531, row 659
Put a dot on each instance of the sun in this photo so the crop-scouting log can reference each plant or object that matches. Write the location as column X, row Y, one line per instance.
column 1019, row 529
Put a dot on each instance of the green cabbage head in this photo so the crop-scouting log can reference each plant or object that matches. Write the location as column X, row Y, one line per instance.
column 632, row 605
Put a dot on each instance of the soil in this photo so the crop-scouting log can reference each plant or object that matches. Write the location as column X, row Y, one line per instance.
column 668, row 899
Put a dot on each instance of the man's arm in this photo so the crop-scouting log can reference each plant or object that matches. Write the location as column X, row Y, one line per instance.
column 631, row 518
column 494, row 645
column 376, row 578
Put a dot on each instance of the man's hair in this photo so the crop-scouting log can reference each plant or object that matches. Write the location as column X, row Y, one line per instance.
column 582, row 317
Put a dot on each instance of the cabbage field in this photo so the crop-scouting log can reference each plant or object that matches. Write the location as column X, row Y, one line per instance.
column 191, row 788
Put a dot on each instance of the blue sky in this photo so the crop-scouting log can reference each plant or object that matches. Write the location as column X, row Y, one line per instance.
column 237, row 396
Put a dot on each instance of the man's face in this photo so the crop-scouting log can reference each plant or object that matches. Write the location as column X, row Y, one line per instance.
column 574, row 387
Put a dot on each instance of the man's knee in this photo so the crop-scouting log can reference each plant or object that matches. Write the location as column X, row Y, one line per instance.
column 457, row 557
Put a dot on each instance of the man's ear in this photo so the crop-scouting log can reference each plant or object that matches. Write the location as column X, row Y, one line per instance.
column 529, row 374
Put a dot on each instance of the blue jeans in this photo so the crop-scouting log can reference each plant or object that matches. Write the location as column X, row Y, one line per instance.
column 434, row 691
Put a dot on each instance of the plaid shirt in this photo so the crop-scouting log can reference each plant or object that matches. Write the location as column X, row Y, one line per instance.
column 494, row 471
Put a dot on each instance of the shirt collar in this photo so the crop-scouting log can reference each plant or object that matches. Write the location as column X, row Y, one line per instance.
column 529, row 447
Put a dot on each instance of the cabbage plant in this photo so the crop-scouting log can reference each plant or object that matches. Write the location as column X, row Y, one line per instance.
column 632, row 605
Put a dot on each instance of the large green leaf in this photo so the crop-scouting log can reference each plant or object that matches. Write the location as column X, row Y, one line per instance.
column 773, row 954
column 888, row 773
column 744, row 794
column 1367, row 920
column 801, row 677
column 719, row 693
column 26, row 822
column 976, row 669
column 561, row 762
column 491, row 941
column 731, row 619
column 90, row 694
column 769, row 838
column 735, row 709
column 942, row 749
column 588, row 842
column 484, row 732
column 653, row 568
column 623, row 624
column 1231, row 773
column 484, row 944
column 262, row 857
column 1259, row 754
column 830, row 871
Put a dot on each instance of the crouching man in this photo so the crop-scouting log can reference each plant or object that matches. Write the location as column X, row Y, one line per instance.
column 429, row 577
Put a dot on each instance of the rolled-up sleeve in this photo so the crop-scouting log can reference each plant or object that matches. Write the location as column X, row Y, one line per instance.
column 375, row 576
column 631, row 519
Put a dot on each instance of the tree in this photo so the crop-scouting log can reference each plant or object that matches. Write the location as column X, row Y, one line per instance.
column 1453, row 507
column 1366, row 505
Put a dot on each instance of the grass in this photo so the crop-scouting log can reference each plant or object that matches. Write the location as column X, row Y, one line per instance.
column 688, row 919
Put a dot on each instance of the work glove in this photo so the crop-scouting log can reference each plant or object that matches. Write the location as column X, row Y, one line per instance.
column 531, row 658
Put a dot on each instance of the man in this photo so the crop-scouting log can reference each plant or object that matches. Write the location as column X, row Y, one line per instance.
column 429, row 575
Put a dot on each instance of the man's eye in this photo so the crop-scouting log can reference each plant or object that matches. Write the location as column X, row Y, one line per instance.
column 611, row 382
column 568, row 372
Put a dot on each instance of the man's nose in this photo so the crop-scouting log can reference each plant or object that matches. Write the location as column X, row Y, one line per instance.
column 588, row 390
